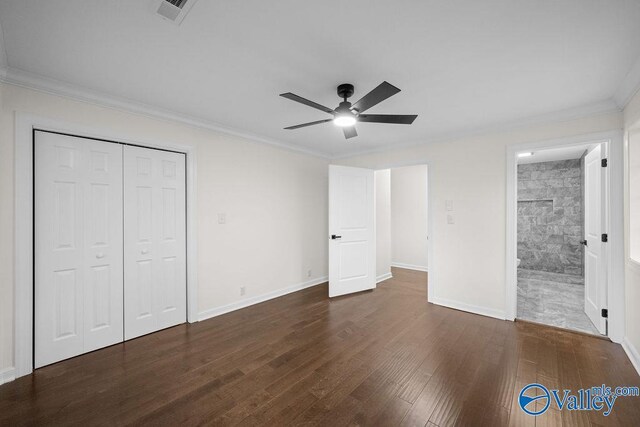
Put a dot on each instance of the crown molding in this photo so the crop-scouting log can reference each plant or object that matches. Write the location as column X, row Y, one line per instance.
column 40, row 83
column 595, row 109
column 26, row 79
column 629, row 86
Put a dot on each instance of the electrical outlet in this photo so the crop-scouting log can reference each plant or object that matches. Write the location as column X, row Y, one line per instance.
column 451, row 219
column 242, row 290
column 222, row 218
column 309, row 273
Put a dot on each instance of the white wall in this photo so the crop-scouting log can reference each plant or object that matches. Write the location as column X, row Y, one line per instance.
column 633, row 151
column 275, row 203
column 409, row 244
column 632, row 269
column 383, row 223
column 469, row 256
column 6, row 246
column 3, row 52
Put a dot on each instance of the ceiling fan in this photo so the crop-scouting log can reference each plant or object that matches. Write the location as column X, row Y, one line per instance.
column 347, row 115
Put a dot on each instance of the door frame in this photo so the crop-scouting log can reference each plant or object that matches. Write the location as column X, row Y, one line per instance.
column 25, row 125
column 612, row 143
column 432, row 276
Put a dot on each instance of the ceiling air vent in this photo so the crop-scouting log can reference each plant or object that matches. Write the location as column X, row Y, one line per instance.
column 175, row 10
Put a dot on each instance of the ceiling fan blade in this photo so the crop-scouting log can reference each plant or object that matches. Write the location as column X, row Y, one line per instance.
column 379, row 94
column 304, row 101
column 317, row 122
column 350, row 132
column 398, row 119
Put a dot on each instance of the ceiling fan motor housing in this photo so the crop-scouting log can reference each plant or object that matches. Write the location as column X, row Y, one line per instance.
column 345, row 90
column 344, row 108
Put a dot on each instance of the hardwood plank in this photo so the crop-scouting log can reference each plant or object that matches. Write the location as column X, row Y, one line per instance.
column 380, row 358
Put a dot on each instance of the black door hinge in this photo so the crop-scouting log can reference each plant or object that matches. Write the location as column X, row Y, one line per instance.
column 604, row 163
column 605, row 313
column 605, row 237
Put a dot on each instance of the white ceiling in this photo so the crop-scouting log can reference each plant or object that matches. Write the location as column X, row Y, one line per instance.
column 462, row 65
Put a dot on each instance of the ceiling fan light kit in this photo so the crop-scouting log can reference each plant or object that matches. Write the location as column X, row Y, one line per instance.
column 344, row 120
column 347, row 115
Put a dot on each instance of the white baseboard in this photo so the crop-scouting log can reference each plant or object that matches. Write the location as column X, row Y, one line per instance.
column 410, row 266
column 383, row 277
column 217, row 311
column 7, row 375
column 475, row 309
column 632, row 353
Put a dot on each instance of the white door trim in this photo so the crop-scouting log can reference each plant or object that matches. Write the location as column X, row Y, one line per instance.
column 23, row 215
column 613, row 143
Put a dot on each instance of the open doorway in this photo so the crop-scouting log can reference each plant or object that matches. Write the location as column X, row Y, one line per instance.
column 402, row 225
column 561, row 212
column 378, row 224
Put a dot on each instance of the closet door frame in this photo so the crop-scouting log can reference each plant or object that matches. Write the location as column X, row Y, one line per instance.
column 25, row 128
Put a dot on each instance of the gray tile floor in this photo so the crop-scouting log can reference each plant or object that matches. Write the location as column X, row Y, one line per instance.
column 553, row 299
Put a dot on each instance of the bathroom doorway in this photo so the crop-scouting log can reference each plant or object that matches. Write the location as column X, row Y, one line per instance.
column 561, row 267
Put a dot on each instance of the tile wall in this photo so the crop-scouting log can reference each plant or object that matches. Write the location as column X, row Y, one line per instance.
column 550, row 219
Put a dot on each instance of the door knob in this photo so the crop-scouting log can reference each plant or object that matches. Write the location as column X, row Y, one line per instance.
column 99, row 255
column 583, row 242
column 144, row 251
column 334, row 237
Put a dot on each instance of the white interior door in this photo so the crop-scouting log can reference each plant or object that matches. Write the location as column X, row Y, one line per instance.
column 595, row 275
column 155, row 240
column 78, row 246
column 352, row 244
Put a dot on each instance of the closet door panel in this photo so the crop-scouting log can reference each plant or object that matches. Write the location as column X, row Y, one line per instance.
column 155, row 240
column 171, row 304
column 103, row 242
column 58, row 248
column 78, row 246
column 139, row 240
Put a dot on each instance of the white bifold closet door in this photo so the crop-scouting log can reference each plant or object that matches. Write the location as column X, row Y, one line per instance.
column 78, row 246
column 154, row 240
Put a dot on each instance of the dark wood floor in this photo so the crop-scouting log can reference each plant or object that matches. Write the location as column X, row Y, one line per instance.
column 383, row 358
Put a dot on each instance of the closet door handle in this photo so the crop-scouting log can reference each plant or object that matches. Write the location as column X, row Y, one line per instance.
column 144, row 251
column 99, row 255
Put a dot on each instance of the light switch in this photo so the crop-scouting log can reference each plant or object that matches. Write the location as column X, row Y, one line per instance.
column 222, row 218
column 449, row 204
column 451, row 219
